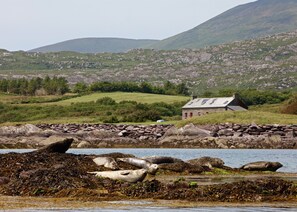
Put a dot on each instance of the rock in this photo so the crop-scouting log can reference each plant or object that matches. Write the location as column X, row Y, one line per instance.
column 51, row 140
column 192, row 130
column 84, row 144
column 58, row 147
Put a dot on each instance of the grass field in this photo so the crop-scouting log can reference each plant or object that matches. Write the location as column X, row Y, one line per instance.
column 248, row 117
column 122, row 96
column 261, row 114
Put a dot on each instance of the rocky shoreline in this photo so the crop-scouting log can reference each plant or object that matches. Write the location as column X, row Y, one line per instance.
column 226, row 136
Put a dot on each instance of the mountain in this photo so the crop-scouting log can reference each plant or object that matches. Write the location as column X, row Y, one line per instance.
column 252, row 20
column 95, row 45
column 263, row 63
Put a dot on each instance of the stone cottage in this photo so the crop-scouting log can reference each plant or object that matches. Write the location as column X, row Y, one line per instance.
column 201, row 106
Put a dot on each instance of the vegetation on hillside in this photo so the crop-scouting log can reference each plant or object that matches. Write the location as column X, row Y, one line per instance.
column 96, row 45
column 265, row 63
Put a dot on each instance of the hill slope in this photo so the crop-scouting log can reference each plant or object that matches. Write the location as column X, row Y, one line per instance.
column 252, row 20
column 95, row 45
column 266, row 63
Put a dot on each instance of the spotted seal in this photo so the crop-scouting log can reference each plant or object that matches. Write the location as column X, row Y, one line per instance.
column 107, row 162
column 151, row 168
column 131, row 176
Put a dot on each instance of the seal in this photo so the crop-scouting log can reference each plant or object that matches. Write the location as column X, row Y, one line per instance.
column 141, row 163
column 262, row 166
column 131, row 176
column 162, row 159
column 207, row 162
column 57, row 147
column 107, row 162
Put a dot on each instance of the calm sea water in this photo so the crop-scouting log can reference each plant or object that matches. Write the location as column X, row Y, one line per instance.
column 232, row 157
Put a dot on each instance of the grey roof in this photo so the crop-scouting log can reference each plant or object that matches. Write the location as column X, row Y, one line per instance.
column 208, row 102
column 237, row 108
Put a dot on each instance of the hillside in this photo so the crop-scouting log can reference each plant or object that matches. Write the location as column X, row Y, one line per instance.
column 252, row 20
column 95, row 45
column 265, row 63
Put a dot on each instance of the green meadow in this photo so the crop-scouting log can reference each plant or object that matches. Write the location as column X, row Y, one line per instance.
column 124, row 96
column 120, row 107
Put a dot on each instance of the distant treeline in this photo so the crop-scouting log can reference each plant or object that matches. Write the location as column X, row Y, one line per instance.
column 59, row 86
column 168, row 88
column 35, row 86
column 253, row 96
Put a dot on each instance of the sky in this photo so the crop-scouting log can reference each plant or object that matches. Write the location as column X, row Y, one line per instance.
column 28, row 24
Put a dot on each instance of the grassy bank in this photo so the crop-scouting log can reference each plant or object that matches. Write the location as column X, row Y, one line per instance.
column 124, row 108
column 124, row 96
column 257, row 117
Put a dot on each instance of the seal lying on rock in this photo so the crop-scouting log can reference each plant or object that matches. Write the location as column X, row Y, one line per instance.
column 107, row 162
column 207, row 162
column 151, row 168
column 182, row 167
column 131, row 176
column 59, row 147
column 262, row 166
column 162, row 159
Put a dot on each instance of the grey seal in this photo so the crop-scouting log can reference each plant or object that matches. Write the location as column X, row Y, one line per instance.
column 58, row 147
column 107, row 162
column 208, row 162
column 141, row 163
column 162, row 159
column 262, row 166
column 131, row 176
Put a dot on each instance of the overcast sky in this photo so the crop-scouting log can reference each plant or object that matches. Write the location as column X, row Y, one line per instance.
column 27, row 24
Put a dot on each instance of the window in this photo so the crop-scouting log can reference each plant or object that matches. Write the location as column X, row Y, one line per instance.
column 186, row 115
column 204, row 101
column 191, row 115
column 213, row 101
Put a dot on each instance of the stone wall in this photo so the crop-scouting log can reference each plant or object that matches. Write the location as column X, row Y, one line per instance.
column 152, row 136
column 237, row 130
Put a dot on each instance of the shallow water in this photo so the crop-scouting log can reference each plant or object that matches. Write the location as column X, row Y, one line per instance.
column 232, row 157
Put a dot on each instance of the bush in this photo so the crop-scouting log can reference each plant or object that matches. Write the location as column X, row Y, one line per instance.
column 106, row 101
column 291, row 106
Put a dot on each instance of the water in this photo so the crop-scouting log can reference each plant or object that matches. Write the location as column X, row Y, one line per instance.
column 232, row 157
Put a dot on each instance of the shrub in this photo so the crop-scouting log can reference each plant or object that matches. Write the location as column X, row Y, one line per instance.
column 291, row 106
column 106, row 101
